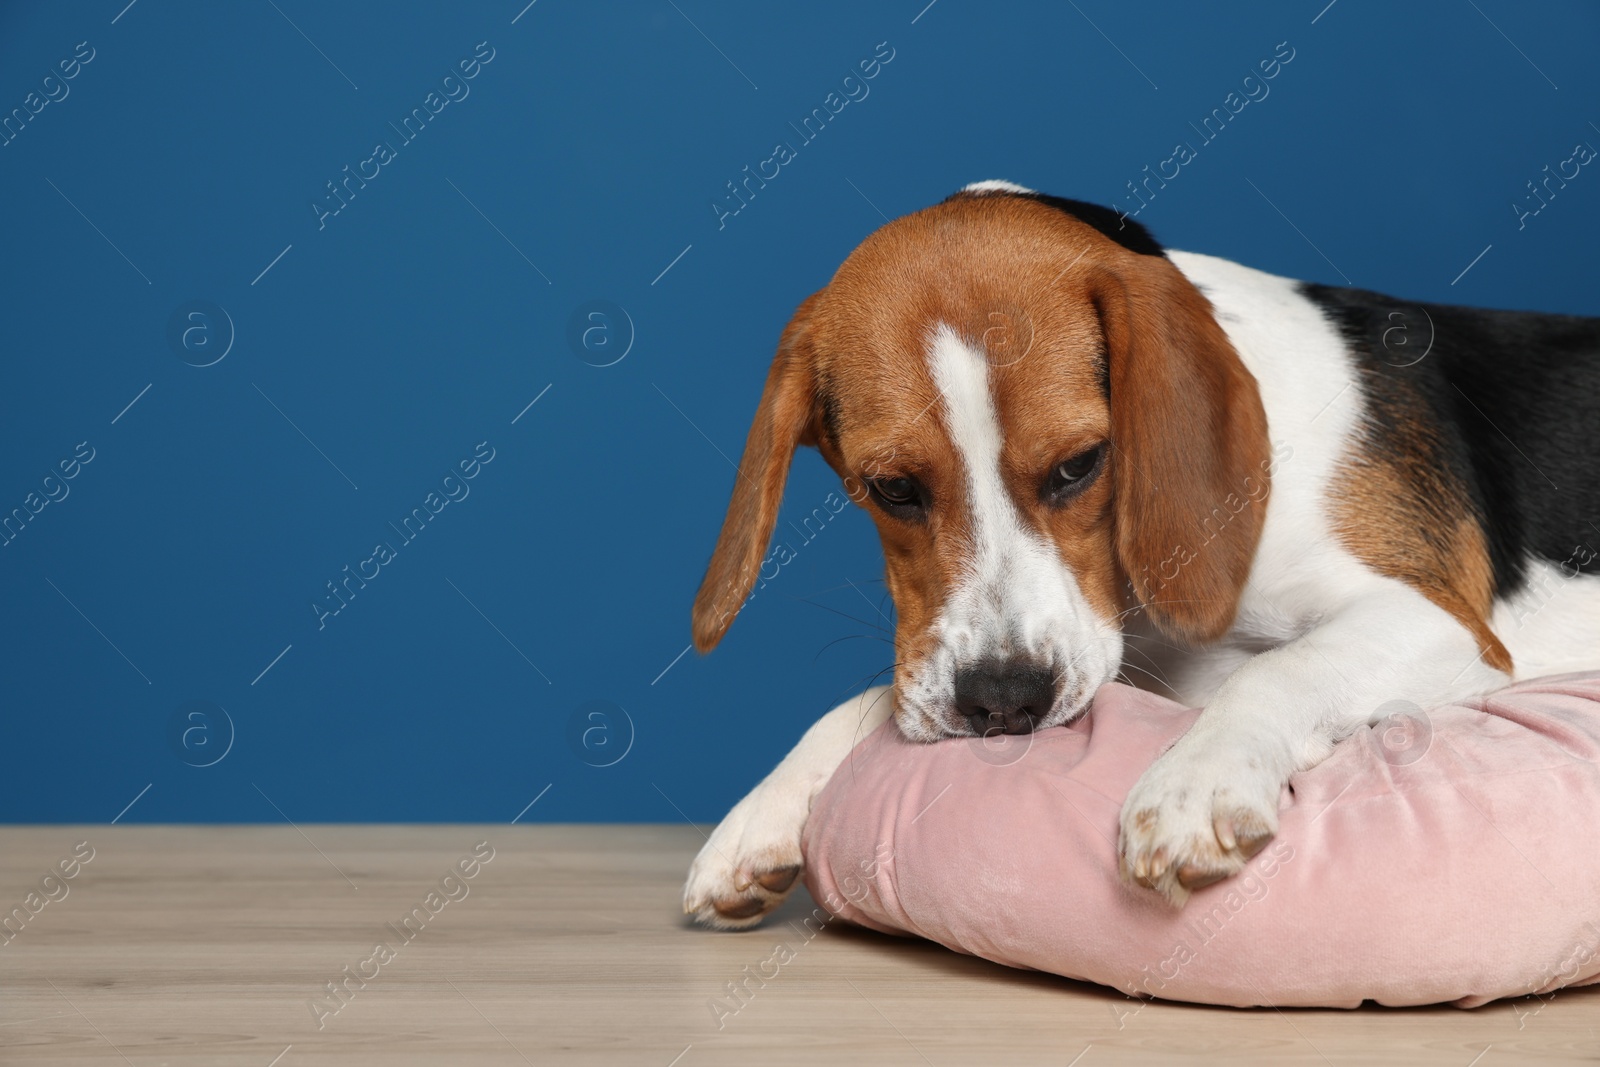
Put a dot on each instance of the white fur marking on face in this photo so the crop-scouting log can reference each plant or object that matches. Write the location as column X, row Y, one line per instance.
column 1016, row 599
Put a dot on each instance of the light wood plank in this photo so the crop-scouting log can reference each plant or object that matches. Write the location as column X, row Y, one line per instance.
column 205, row 945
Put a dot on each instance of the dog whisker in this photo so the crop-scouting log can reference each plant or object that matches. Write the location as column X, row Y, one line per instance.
column 850, row 637
column 866, row 713
column 1155, row 641
column 842, row 614
column 1135, row 667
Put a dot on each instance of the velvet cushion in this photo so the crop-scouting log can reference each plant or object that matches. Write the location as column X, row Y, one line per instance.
column 1451, row 855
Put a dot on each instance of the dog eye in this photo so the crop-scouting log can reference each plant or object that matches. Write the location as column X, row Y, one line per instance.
column 1072, row 476
column 898, row 495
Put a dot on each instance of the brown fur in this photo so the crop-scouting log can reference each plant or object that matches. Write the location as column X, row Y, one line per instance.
column 1404, row 515
column 1058, row 308
column 1190, row 435
column 784, row 419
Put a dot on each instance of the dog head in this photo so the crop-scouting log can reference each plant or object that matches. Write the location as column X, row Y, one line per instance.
column 1041, row 414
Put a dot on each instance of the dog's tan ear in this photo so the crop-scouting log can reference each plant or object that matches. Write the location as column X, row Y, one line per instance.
column 785, row 418
column 1190, row 454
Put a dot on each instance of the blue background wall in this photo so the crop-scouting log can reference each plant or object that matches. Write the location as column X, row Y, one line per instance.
column 158, row 627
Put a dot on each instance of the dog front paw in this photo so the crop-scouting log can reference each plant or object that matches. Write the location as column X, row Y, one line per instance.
column 1192, row 820
column 751, row 861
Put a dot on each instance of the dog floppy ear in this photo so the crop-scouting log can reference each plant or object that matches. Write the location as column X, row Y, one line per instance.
column 1190, row 454
column 785, row 418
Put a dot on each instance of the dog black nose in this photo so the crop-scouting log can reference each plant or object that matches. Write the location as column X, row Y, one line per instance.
column 1004, row 697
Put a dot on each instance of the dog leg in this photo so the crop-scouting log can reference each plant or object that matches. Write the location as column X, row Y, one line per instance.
column 1210, row 802
column 752, row 859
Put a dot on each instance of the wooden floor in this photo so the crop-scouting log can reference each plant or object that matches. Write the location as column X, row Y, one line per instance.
column 210, row 945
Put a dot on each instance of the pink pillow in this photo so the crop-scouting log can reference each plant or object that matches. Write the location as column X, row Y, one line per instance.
column 1451, row 855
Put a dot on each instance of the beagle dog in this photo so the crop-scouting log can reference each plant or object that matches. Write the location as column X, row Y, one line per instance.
column 1293, row 504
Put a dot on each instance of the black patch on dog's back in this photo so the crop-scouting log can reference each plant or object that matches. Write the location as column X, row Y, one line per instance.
column 1125, row 232
column 1510, row 400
